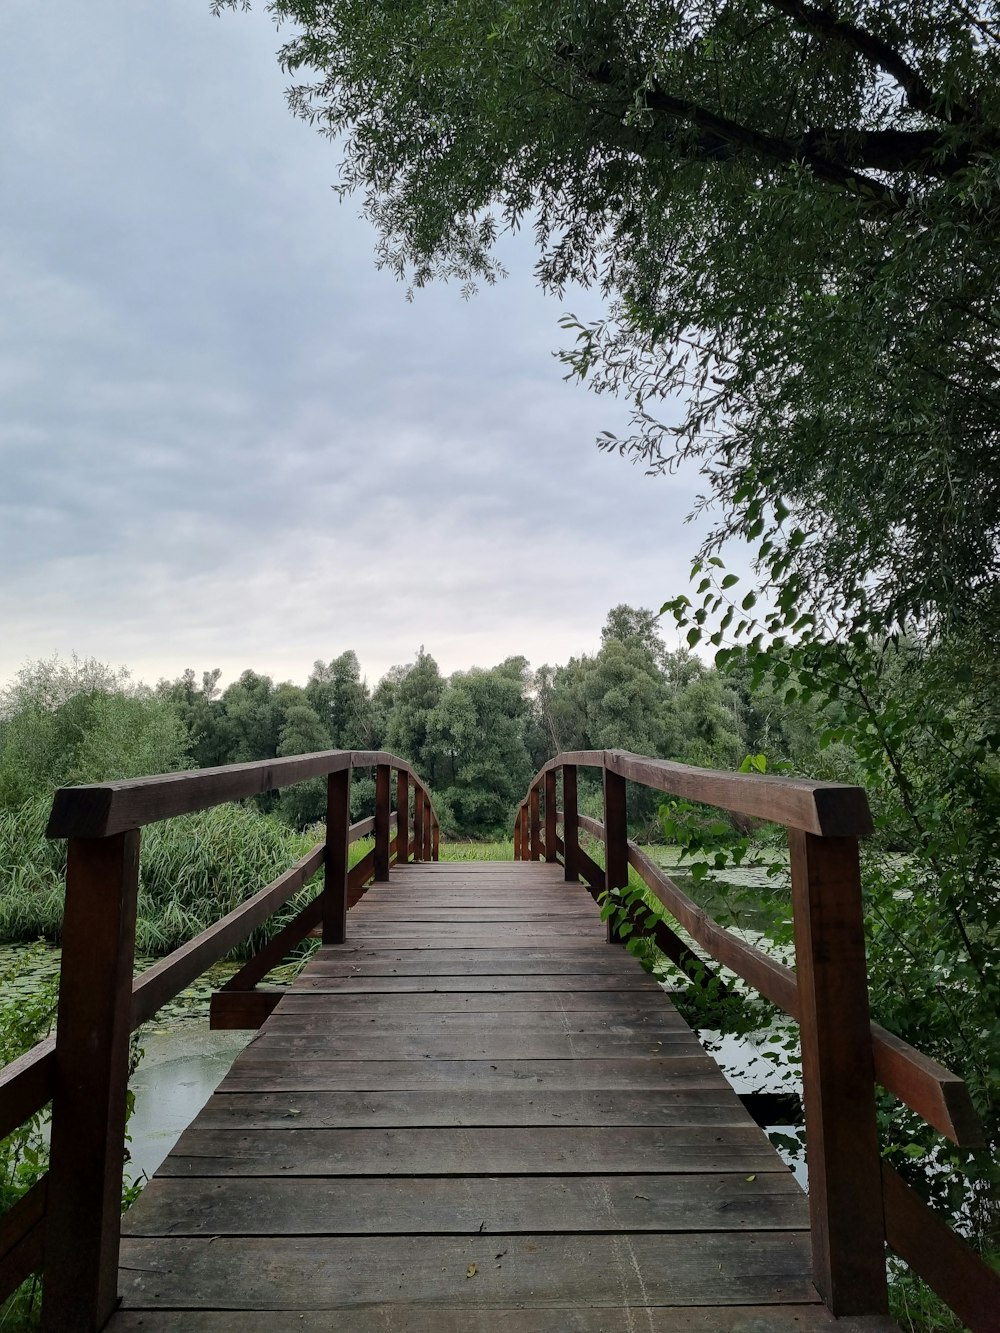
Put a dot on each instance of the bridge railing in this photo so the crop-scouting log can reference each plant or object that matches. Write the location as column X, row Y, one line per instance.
column 68, row 1223
column 857, row 1202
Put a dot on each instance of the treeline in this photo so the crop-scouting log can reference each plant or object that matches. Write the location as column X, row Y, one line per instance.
column 477, row 736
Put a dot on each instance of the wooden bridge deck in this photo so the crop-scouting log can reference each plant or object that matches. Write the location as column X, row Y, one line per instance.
column 475, row 1115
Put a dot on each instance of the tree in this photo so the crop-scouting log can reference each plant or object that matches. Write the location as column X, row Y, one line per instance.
column 418, row 692
column 340, row 697
column 792, row 206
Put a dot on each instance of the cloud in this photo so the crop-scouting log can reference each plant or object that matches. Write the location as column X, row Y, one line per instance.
column 228, row 439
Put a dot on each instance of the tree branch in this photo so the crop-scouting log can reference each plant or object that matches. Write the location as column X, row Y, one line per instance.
column 824, row 23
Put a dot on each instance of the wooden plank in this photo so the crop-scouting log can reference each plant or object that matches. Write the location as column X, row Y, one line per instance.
column 608, row 1003
column 534, row 826
column 940, row 1256
column 457, row 1151
column 402, row 817
column 255, row 969
column 488, row 1318
column 480, row 1206
column 633, row 1073
column 22, row 1237
column 494, row 1044
column 941, row 1097
column 335, row 862
column 26, row 1084
column 347, row 1110
column 91, row 1083
column 845, row 1186
column 233, row 1010
column 485, row 961
column 314, row 1273
column 647, row 1023
column 382, row 983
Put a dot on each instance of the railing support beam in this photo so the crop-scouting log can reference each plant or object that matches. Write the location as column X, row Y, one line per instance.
column 83, row 1213
column 383, row 802
column 615, row 837
column 418, row 823
column 845, row 1187
column 534, row 825
column 402, row 818
column 571, row 829
column 338, row 822
column 550, row 815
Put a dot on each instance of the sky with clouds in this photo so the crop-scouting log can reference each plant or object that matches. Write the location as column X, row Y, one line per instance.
column 227, row 439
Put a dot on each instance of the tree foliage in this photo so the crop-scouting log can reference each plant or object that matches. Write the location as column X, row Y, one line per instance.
column 792, row 207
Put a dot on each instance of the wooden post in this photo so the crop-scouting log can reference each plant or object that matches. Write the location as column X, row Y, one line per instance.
column 550, row 815
column 615, row 837
column 83, row 1212
column 518, row 824
column 571, row 831
column 845, row 1190
column 402, row 817
column 338, row 822
column 534, row 826
column 436, row 841
column 383, row 801
column 428, row 821
column 418, row 822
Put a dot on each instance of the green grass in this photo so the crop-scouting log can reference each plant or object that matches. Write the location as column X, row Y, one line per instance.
column 477, row 851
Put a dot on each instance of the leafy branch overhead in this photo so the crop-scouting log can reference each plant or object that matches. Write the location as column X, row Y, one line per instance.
column 792, row 208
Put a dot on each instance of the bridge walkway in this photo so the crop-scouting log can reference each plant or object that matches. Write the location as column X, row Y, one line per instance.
column 476, row 1114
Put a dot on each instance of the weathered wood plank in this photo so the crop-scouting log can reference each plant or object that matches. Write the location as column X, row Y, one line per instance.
column 503, row 1042
column 487, row 1319
column 385, row 982
column 645, row 1023
column 314, row 1273
column 345, row 1110
column 608, row 1003
column 470, row 1205
column 480, row 962
column 567, row 1150
column 416, row 1075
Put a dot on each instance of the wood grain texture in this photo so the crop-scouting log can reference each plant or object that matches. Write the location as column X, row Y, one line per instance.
column 474, row 1079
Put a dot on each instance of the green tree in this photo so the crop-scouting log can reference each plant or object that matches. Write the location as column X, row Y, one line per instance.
column 791, row 206
column 417, row 693
column 336, row 691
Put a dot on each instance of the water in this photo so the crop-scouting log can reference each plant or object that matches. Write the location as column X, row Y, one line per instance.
column 180, row 1069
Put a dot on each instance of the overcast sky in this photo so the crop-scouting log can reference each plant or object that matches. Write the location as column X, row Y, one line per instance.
column 226, row 439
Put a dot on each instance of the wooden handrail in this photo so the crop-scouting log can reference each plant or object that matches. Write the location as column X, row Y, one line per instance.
column 103, row 808
column 69, row 1221
column 856, row 1204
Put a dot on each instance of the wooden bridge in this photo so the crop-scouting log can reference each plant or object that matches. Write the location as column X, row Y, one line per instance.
column 473, row 1110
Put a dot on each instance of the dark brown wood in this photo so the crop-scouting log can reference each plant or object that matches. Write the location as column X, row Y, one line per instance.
column 436, row 840
column 235, row 1009
column 428, row 820
column 534, row 826
column 277, row 948
column 22, row 1237
column 773, row 980
column 383, row 803
column 941, row 1097
column 615, row 837
column 550, row 815
column 418, row 822
column 112, row 807
column 571, row 831
column 940, row 1256
column 402, row 817
column 549, row 1271
column 26, row 1084
column 88, row 1108
column 487, row 1318
column 827, row 808
column 517, row 834
column 165, row 979
column 424, row 1205
column 338, row 819
column 845, row 1189
column 591, row 871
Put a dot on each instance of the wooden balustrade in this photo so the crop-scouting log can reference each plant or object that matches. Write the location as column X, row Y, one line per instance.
column 68, row 1223
column 857, row 1203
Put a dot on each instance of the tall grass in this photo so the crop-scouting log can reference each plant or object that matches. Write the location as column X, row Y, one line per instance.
column 192, row 871
column 477, row 851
